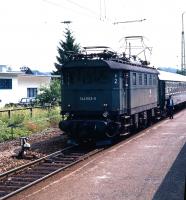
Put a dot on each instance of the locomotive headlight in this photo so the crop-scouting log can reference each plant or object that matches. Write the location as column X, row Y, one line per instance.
column 105, row 114
column 67, row 114
column 69, row 106
column 105, row 105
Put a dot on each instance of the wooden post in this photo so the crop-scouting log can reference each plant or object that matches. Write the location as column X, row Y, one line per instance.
column 31, row 112
column 12, row 132
column 9, row 115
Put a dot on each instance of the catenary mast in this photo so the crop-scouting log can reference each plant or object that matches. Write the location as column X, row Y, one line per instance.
column 183, row 66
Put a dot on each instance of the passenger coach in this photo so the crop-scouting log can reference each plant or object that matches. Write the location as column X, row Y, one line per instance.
column 171, row 84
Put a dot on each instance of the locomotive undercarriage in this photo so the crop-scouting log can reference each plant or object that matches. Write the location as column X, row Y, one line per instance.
column 92, row 129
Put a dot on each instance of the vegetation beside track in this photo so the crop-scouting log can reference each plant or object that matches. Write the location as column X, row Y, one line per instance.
column 23, row 122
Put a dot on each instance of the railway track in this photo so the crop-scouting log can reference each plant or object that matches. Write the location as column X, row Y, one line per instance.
column 19, row 179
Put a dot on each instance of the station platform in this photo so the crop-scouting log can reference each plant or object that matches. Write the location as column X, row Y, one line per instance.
column 148, row 166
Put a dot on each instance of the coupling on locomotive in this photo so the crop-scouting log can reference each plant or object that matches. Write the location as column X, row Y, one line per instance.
column 104, row 95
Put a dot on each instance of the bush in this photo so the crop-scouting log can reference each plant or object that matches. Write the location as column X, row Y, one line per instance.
column 21, row 123
column 35, row 126
column 17, row 119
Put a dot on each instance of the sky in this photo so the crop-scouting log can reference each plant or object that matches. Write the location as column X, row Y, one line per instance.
column 31, row 29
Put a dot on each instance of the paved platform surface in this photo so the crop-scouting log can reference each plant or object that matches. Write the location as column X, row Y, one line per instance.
column 149, row 166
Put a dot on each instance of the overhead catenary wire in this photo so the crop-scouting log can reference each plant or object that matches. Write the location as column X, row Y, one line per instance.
column 82, row 7
column 84, row 10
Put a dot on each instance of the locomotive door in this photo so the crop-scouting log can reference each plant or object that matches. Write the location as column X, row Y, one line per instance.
column 125, row 91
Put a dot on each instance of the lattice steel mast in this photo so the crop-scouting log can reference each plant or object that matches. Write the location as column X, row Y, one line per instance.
column 183, row 66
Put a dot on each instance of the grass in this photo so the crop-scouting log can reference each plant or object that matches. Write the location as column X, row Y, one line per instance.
column 21, row 123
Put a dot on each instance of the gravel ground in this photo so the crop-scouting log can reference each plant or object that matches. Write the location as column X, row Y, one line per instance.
column 42, row 144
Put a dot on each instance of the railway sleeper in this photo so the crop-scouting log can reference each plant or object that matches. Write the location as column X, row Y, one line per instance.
column 62, row 162
column 29, row 175
column 77, row 154
column 49, row 168
column 73, row 156
column 3, row 193
column 25, row 179
column 8, row 188
column 66, row 158
column 40, row 173
column 54, row 164
column 17, row 183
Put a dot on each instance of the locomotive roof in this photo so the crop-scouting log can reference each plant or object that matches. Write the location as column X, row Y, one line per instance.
column 130, row 67
column 112, row 64
column 168, row 76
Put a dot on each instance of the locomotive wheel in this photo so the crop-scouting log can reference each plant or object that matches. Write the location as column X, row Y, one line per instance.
column 112, row 131
column 110, row 135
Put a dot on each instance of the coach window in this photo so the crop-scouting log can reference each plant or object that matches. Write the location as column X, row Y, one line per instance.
column 140, row 79
column 134, row 79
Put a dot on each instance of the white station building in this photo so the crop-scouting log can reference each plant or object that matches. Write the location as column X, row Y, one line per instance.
column 15, row 85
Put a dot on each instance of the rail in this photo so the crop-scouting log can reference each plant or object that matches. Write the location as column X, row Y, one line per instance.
column 17, row 180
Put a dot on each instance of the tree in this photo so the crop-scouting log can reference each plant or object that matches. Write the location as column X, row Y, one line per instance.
column 51, row 94
column 65, row 49
column 180, row 72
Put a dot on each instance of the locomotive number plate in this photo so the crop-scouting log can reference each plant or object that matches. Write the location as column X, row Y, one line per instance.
column 87, row 98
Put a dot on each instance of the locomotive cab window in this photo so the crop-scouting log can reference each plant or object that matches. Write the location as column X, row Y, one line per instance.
column 85, row 76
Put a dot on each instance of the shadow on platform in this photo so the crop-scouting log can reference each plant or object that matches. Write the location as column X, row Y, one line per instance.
column 173, row 185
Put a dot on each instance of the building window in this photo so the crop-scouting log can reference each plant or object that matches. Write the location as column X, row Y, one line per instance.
column 31, row 92
column 134, row 78
column 5, row 83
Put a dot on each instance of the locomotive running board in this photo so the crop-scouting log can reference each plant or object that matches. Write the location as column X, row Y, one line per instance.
column 104, row 142
column 124, row 134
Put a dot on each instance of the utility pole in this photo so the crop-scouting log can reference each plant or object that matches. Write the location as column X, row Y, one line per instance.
column 183, row 66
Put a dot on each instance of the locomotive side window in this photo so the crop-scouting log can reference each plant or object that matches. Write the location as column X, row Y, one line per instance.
column 134, row 78
column 140, row 79
column 150, row 79
column 145, row 79
column 154, row 80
